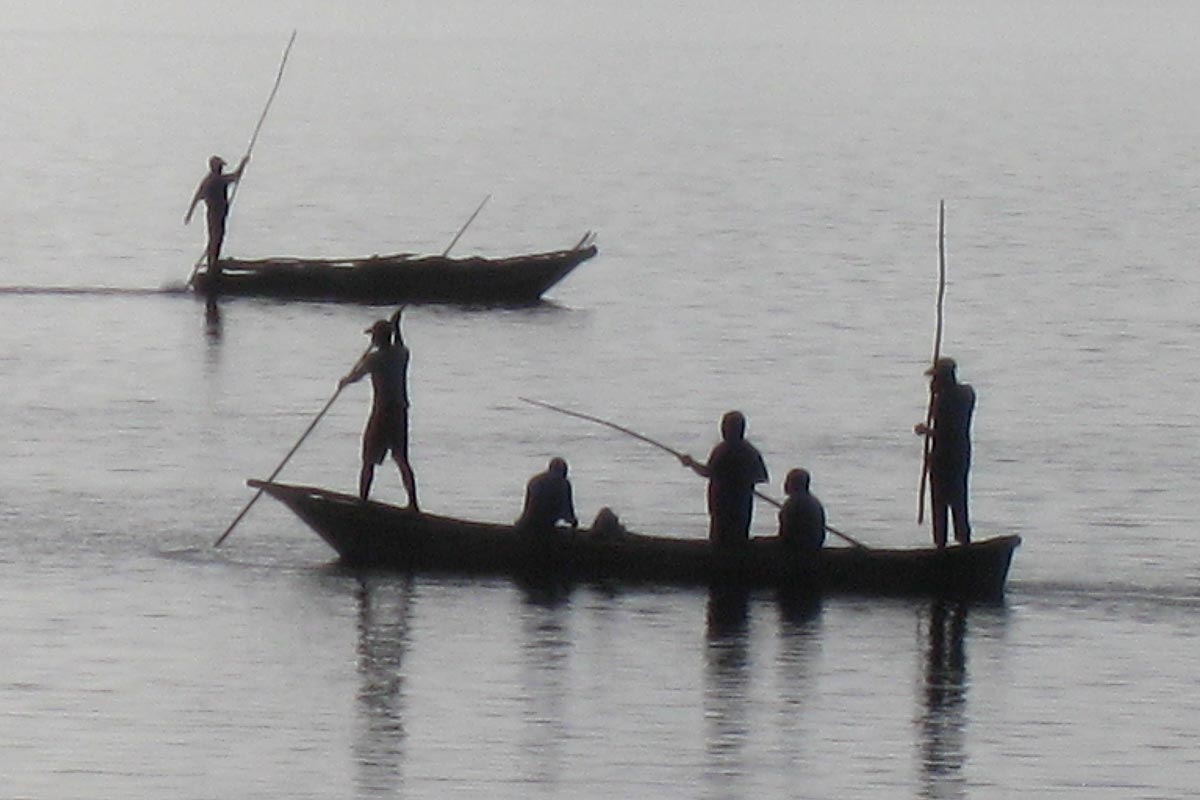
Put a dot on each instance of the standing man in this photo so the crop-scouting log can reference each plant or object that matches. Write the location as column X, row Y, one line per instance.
column 952, row 404
column 214, row 191
column 548, row 499
column 387, row 427
column 734, row 466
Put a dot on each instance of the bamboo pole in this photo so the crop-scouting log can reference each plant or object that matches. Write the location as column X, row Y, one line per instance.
column 466, row 225
column 279, row 468
column 672, row 451
column 311, row 426
column 937, row 353
column 253, row 139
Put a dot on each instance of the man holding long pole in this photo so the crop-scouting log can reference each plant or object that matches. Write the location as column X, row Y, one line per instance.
column 387, row 427
column 214, row 191
column 952, row 405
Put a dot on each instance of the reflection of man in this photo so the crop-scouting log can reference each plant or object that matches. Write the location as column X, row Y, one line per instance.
column 387, row 427
column 548, row 499
column 952, row 404
column 214, row 191
column 734, row 466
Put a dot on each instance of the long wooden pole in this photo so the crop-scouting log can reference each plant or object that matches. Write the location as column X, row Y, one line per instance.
column 279, row 469
column 463, row 229
column 253, row 138
column 937, row 353
column 286, row 459
column 672, row 451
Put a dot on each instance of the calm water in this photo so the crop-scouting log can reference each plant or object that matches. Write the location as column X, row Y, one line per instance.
column 764, row 180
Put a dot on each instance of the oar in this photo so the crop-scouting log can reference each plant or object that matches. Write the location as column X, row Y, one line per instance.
column 937, row 352
column 463, row 229
column 253, row 138
column 286, row 458
column 671, row 450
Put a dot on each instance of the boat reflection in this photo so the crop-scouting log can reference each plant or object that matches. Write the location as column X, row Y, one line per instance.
column 384, row 607
column 942, row 722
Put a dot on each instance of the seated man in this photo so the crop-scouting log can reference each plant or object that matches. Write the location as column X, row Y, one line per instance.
column 802, row 517
column 607, row 525
column 547, row 500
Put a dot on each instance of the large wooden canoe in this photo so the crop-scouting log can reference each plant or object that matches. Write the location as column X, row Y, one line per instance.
column 402, row 278
column 376, row 535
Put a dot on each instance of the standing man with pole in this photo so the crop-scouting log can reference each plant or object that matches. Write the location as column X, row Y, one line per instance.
column 952, row 405
column 733, row 468
column 387, row 427
column 214, row 191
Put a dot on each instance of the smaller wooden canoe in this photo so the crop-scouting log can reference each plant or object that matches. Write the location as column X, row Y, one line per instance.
column 377, row 535
column 402, row 278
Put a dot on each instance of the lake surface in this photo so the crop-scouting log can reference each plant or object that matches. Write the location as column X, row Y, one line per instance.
column 764, row 181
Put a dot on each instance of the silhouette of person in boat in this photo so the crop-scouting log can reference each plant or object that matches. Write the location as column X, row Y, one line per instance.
column 952, row 404
column 387, row 427
column 214, row 191
column 802, row 517
column 548, row 500
column 733, row 468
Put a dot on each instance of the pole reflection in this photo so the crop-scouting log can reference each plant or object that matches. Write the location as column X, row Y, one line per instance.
column 384, row 609
column 943, row 719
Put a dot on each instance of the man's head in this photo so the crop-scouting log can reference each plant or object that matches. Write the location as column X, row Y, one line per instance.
column 797, row 480
column 380, row 332
column 216, row 164
column 558, row 467
column 733, row 426
column 943, row 373
column 944, row 368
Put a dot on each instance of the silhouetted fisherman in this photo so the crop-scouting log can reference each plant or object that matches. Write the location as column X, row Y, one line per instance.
column 387, row 427
column 214, row 191
column 953, row 403
column 548, row 500
column 734, row 466
column 802, row 517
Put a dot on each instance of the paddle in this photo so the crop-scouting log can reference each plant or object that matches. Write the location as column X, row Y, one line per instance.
column 253, row 138
column 937, row 352
column 463, row 229
column 672, row 451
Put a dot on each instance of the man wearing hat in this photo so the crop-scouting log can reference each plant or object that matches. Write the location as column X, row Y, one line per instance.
column 214, row 191
column 952, row 404
column 387, row 427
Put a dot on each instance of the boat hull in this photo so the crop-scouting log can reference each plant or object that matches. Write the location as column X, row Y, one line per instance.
column 402, row 278
column 379, row 536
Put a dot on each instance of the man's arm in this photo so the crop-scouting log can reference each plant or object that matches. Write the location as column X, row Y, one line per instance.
column 568, row 511
column 357, row 372
column 236, row 175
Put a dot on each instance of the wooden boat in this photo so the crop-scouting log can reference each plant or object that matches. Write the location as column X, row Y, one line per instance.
column 376, row 535
column 402, row 278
